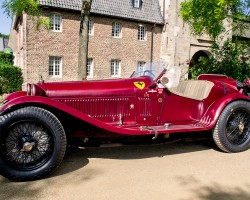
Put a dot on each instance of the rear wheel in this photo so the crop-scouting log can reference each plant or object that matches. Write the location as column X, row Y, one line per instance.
column 32, row 144
column 232, row 131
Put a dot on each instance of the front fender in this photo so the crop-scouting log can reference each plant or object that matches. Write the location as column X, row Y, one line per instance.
column 212, row 114
column 39, row 100
column 13, row 96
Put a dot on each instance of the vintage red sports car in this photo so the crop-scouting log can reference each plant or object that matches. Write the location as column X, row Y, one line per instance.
column 37, row 125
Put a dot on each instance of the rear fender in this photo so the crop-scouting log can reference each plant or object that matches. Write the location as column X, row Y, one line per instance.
column 212, row 114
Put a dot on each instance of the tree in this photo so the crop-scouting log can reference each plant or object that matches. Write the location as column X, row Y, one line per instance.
column 225, row 59
column 33, row 9
column 230, row 58
column 4, row 36
column 83, row 39
column 209, row 16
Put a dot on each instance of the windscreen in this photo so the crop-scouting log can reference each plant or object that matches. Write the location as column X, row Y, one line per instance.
column 150, row 69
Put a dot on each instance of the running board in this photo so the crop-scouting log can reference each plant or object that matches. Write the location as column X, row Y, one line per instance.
column 167, row 128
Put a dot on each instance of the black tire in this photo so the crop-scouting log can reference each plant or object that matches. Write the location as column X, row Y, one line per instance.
column 232, row 131
column 32, row 144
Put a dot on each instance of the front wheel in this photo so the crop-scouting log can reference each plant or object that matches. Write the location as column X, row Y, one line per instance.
column 32, row 144
column 232, row 131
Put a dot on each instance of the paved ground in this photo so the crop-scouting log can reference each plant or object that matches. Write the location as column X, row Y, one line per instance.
column 178, row 171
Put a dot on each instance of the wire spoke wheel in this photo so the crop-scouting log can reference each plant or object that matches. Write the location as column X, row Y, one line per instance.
column 238, row 127
column 27, row 145
column 32, row 144
column 232, row 130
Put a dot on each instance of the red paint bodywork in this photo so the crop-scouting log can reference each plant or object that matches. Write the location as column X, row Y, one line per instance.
column 118, row 107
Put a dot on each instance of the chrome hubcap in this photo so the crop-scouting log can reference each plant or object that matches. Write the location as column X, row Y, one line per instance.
column 28, row 146
column 241, row 127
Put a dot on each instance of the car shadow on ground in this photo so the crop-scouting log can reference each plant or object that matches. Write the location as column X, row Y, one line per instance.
column 77, row 158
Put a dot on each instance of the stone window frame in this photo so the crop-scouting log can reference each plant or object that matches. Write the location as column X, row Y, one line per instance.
column 115, row 68
column 53, row 22
column 142, row 33
column 91, row 26
column 55, row 66
column 90, row 68
column 117, row 30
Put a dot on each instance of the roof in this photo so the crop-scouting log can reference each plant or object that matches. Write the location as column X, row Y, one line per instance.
column 149, row 12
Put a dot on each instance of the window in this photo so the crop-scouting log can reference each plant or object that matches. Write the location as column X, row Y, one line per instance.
column 56, row 23
column 141, row 33
column 137, row 3
column 91, row 27
column 116, row 30
column 55, row 66
column 141, row 65
column 115, row 68
column 89, row 68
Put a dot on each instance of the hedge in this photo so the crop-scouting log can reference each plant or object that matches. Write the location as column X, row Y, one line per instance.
column 6, row 58
column 10, row 78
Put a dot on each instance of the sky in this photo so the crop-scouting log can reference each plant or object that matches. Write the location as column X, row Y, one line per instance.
column 5, row 21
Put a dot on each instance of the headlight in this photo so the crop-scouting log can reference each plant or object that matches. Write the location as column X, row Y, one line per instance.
column 28, row 89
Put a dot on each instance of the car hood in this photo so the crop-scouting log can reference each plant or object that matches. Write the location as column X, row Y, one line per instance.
column 115, row 87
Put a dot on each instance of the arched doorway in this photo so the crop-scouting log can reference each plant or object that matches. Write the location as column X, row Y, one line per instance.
column 196, row 57
column 195, row 71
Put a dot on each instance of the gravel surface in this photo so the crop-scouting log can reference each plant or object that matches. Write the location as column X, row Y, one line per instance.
column 178, row 171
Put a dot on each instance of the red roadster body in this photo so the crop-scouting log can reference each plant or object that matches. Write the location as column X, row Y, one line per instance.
column 34, row 124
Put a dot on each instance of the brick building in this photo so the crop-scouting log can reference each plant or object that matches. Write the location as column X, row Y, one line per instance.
column 122, row 35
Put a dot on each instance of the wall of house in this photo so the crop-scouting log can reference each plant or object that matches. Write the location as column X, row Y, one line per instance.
column 102, row 47
column 178, row 45
column 18, row 44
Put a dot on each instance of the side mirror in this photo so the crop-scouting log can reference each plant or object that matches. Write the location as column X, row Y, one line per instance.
column 164, row 81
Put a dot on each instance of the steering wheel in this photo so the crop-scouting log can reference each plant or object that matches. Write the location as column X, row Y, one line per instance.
column 148, row 73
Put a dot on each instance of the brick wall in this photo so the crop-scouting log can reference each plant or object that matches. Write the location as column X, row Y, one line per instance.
column 102, row 47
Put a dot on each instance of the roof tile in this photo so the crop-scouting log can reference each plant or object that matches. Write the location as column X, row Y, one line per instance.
column 150, row 11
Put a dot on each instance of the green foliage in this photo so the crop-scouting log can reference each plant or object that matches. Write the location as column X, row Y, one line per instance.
column 45, row 21
column 6, row 58
column 31, row 7
column 4, row 36
column 10, row 78
column 208, row 16
column 230, row 59
column 17, row 7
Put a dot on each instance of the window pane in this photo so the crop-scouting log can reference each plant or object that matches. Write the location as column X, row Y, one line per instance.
column 141, row 33
column 112, row 68
column 136, row 3
column 50, row 66
column 115, row 68
column 89, row 69
column 52, row 22
column 90, row 26
column 56, row 21
column 54, row 66
column 116, row 29
column 141, row 66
